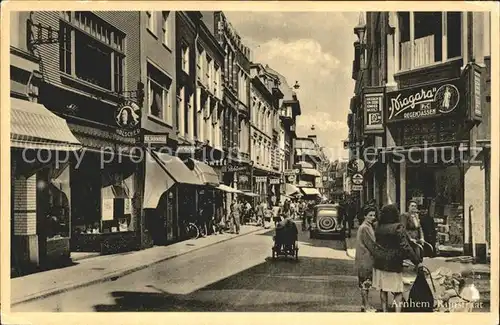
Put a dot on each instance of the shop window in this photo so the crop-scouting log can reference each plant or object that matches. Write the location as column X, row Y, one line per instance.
column 58, row 208
column 159, row 94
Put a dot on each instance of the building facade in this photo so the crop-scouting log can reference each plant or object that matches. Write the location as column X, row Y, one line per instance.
column 236, row 98
column 309, row 162
column 265, row 133
column 105, row 217
column 435, row 150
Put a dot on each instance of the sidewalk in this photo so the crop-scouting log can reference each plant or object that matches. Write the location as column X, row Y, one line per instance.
column 482, row 271
column 108, row 267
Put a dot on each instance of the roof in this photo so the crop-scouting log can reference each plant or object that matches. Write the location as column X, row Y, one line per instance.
column 285, row 88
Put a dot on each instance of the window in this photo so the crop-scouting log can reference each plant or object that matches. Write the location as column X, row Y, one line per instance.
column 186, row 115
column 165, row 28
column 454, row 39
column 88, row 51
column 65, row 48
column 430, row 30
column 181, row 106
column 208, row 72
column 151, row 21
column 159, row 94
column 200, row 53
column 97, row 45
column 216, row 80
column 118, row 76
column 185, row 58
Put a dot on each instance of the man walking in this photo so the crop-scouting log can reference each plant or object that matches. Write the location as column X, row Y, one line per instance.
column 235, row 216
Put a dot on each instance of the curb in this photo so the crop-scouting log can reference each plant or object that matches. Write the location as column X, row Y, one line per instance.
column 120, row 273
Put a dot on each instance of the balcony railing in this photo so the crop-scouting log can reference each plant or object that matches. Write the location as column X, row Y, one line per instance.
column 423, row 53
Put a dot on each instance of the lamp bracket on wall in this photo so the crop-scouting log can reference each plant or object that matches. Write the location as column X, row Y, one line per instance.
column 39, row 34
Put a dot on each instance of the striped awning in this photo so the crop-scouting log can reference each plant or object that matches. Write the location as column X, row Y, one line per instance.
column 35, row 127
column 311, row 172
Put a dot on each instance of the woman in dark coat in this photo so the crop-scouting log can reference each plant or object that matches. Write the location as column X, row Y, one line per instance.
column 394, row 241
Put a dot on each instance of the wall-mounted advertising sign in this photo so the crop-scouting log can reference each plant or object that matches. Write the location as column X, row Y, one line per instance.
column 128, row 119
column 373, row 109
column 434, row 100
column 473, row 91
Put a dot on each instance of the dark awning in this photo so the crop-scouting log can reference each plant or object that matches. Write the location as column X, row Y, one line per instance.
column 35, row 127
column 204, row 172
column 162, row 172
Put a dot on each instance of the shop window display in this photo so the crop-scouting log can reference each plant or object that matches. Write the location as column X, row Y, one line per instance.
column 437, row 191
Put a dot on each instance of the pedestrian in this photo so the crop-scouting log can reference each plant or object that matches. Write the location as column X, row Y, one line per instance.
column 235, row 216
column 411, row 221
column 293, row 210
column 365, row 251
column 394, row 242
column 261, row 209
column 430, row 234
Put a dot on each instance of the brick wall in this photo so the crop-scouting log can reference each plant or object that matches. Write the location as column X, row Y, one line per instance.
column 24, row 205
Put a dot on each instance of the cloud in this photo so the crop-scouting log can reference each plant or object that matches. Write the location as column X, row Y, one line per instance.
column 302, row 51
column 316, row 49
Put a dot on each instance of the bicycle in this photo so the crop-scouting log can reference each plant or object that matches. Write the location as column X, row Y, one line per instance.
column 191, row 230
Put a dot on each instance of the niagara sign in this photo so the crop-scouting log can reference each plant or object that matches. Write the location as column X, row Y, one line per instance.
column 432, row 100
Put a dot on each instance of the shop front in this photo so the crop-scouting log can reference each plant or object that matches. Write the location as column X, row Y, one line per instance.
column 435, row 161
column 106, row 214
column 170, row 197
column 41, row 144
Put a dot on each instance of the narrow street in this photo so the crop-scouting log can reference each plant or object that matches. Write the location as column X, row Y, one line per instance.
column 237, row 275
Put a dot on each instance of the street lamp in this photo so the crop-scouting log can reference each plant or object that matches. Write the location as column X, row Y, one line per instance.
column 360, row 31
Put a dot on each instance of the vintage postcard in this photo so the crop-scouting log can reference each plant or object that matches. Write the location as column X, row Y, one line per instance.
column 282, row 162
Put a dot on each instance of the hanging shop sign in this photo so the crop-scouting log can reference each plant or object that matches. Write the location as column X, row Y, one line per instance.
column 128, row 119
column 233, row 168
column 434, row 100
column 355, row 166
column 357, row 187
column 156, row 138
column 472, row 76
column 373, row 109
column 273, row 181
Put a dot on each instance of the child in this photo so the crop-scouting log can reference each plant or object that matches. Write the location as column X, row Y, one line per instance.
column 365, row 246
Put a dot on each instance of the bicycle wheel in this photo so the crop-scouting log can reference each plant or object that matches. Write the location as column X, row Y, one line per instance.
column 192, row 231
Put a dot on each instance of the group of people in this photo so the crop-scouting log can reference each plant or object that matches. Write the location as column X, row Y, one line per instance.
column 384, row 240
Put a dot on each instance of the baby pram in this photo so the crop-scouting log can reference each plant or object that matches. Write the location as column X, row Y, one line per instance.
column 450, row 295
column 285, row 240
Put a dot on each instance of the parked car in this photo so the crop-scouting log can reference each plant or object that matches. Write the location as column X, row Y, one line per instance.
column 327, row 221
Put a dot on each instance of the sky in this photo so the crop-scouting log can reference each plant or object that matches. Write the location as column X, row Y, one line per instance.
column 315, row 49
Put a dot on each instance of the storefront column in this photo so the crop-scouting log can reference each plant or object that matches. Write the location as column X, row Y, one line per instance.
column 402, row 186
column 390, row 188
column 375, row 186
column 25, row 220
column 474, row 211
